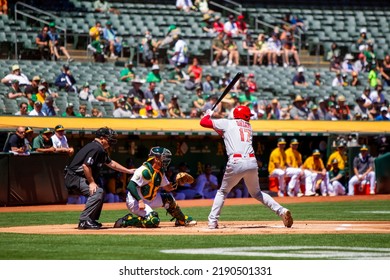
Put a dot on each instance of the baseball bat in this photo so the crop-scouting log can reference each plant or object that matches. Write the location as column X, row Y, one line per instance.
column 227, row 89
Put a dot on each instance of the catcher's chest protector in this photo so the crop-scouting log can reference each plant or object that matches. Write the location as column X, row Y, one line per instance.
column 149, row 191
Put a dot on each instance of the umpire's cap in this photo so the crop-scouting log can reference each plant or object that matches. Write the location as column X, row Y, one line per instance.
column 108, row 133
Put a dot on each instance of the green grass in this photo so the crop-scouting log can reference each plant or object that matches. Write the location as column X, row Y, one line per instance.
column 84, row 247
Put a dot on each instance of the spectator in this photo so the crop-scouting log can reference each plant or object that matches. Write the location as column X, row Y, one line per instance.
column 4, row 7
column 261, row 49
column 230, row 27
column 148, row 111
column 86, row 94
column 122, row 111
column 343, row 108
column 136, row 91
column 31, row 90
column 320, row 180
column 102, row 6
column 102, row 94
column 43, row 143
column 363, row 166
column 360, row 109
column 16, row 74
column 40, row 95
column 232, row 48
column 377, row 96
column 48, row 107
column 154, row 75
column 69, row 111
column 96, row 31
column 60, row 142
column 23, row 109
column 207, row 183
column 220, row 54
column 385, row 71
column 56, row 44
column 355, row 80
column 149, row 47
column 369, row 53
column 43, row 43
column 247, row 99
column 323, row 109
column 334, row 52
column 15, row 91
column 168, row 39
column 196, row 69
column 28, row 138
column 16, row 143
column 115, row 45
column 314, row 114
column 127, row 73
column 198, row 100
column 218, row 26
column 347, row 65
column 207, row 25
column 373, row 75
column 208, row 85
column 37, row 111
column 96, row 47
column 177, row 75
column 242, row 27
column 274, row 49
column 251, row 83
column 344, row 77
column 83, row 111
column 95, row 113
column 276, row 111
column 157, row 101
column 258, row 114
column 289, row 50
column 338, row 80
column 180, row 52
column 248, row 44
column 317, row 79
column 190, row 84
column 174, row 108
column 336, row 179
column 163, row 113
column 49, row 91
column 203, row 6
column 298, row 110
column 299, row 78
column 384, row 116
column 184, row 5
column 361, row 63
column 149, row 93
column 361, row 42
column 66, row 81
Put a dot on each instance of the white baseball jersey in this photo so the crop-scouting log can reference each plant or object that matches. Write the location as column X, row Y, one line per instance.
column 59, row 142
column 237, row 135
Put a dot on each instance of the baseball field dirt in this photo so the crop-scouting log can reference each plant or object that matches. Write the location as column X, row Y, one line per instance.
column 226, row 227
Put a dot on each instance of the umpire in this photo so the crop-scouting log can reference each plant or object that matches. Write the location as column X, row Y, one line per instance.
column 82, row 175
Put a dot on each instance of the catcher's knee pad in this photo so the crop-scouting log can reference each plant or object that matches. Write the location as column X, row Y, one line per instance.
column 151, row 220
column 171, row 206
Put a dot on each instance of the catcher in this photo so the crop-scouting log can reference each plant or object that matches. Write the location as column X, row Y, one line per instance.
column 143, row 193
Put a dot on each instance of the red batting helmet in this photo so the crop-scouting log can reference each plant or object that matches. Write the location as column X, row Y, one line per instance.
column 242, row 112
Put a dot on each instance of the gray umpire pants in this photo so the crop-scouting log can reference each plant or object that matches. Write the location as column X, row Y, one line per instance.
column 79, row 185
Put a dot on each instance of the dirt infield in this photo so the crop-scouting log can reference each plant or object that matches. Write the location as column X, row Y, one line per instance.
column 234, row 227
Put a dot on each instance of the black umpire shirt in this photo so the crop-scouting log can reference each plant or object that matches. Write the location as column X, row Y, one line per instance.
column 92, row 155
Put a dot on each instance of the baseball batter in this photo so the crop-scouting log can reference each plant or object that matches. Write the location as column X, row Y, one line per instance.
column 242, row 164
column 143, row 194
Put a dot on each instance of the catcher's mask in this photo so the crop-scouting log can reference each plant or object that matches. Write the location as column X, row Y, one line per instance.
column 163, row 154
column 242, row 112
column 107, row 133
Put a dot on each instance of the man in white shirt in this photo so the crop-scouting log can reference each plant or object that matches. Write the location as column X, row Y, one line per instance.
column 184, row 5
column 60, row 142
column 37, row 111
column 16, row 74
column 180, row 51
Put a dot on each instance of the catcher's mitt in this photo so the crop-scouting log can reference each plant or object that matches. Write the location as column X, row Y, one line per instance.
column 183, row 178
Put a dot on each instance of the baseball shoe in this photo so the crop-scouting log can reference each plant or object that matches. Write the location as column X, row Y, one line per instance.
column 212, row 226
column 287, row 218
column 372, row 192
column 188, row 222
column 300, row 194
column 310, row 193
column 280, row 194
column 290, row 193
column 89, row 225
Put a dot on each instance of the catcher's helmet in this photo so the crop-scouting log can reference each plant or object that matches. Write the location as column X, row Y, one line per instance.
column 242, row 112
column 107, row 133
column 161, row 153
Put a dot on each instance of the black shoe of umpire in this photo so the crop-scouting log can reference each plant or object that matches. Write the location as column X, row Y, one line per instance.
column 88, row 225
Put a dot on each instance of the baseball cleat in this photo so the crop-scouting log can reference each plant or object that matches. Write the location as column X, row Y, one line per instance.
column 212, row 226
column 188, row 222
column 287, row 218
column 310, row 193
column 88, row 225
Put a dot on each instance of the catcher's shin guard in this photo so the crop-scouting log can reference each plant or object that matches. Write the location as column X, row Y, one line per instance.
column 174, row 210
column 151, row 220
column 128, row 221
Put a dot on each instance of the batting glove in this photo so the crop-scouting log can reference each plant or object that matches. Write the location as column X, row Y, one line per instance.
column 209, row 112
